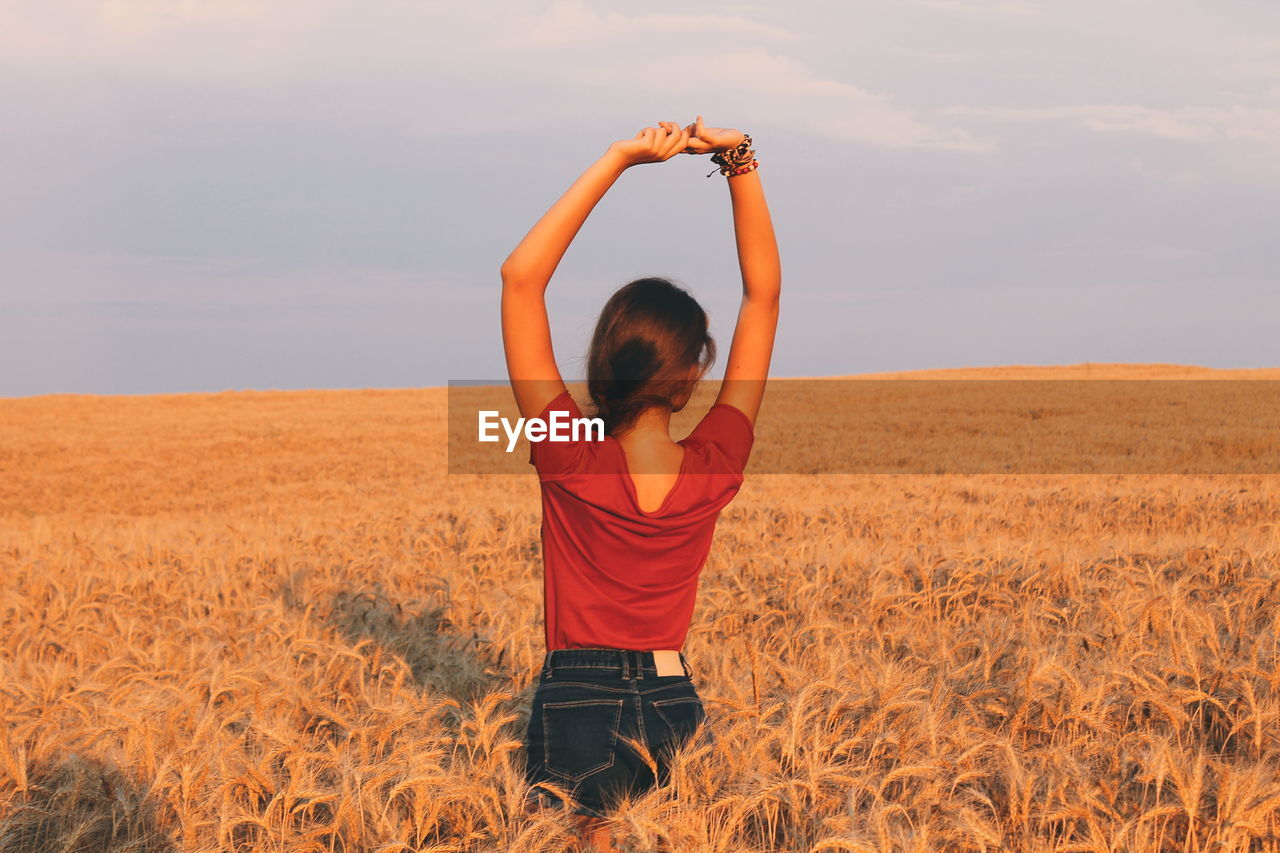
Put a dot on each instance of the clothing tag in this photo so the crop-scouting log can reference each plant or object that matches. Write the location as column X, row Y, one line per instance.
column 668, row 662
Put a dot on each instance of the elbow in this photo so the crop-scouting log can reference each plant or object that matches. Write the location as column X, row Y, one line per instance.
column 518, row 275
column 515, row 266
column 762, row 283
column 767, row 296
column 509, row 271
column 518, row 280
column 512, row 275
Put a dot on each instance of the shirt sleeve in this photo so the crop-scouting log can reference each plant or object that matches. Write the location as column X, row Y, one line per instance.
column 729, row 431
column 556, row 457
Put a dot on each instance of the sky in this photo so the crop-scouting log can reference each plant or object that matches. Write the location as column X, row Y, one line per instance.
column 205, row 196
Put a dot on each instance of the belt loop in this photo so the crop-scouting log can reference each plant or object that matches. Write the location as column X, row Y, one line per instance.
column 685, row 663
column 547, row 669
column 626, row 669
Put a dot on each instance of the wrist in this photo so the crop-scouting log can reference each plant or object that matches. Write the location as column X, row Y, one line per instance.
column 737, row 160
column 741, row 137
column 615, row 159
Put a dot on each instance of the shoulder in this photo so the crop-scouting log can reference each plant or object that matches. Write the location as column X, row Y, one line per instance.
column 567, row 443
column 562, row 402
column 725, row 435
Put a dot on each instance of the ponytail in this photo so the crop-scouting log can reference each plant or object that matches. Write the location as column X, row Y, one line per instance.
column 650, row 348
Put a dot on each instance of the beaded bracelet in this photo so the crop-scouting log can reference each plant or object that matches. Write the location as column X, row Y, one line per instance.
column 730, row 169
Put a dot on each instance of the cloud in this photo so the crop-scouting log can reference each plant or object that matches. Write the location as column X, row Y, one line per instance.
column 840, row 110
column 1192, row 124
column 146, row 16
column 975, row 7
column 788, row 93
column 575, row 22
column 774, row 83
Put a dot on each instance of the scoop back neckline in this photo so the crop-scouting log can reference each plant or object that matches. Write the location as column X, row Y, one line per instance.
column 630, row 484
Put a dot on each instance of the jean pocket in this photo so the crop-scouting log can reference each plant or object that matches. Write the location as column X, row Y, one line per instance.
column 580, row 737
column 682, row 715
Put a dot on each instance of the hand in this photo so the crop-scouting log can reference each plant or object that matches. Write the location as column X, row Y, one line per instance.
column 709, row 140
column 653, row 144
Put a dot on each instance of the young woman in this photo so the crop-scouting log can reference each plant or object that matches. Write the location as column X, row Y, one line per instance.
column 628, row 520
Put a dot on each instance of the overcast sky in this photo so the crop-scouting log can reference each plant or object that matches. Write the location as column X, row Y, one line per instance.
column 202, row 195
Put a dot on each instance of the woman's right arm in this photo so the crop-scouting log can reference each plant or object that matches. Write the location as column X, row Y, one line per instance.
column 526, row 332
column 752, row 347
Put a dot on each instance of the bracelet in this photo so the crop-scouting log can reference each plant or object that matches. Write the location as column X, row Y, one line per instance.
column 755, row 164
column 732, row 160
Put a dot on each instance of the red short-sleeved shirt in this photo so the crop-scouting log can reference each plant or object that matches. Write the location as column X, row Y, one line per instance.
column 614, row 575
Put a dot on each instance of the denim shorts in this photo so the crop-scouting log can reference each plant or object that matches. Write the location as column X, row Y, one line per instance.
column 586, row 703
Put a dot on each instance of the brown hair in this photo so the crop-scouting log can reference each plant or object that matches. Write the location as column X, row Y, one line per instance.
column 650, row 337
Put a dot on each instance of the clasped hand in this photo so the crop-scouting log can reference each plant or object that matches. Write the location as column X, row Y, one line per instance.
column 656, row 144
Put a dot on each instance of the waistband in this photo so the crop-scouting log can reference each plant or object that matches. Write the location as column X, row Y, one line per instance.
column 626, row 663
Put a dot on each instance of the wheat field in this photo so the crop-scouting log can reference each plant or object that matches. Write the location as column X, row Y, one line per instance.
column 270, row 621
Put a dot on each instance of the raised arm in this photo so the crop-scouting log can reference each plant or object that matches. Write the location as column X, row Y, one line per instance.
column 752, row 347
column 526, row 332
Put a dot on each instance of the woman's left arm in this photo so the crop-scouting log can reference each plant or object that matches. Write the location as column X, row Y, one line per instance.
column 526, row 332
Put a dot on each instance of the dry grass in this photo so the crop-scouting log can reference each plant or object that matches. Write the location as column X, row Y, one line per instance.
column 268, row 622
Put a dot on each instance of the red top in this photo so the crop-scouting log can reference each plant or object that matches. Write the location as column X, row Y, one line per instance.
column 614, row 575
